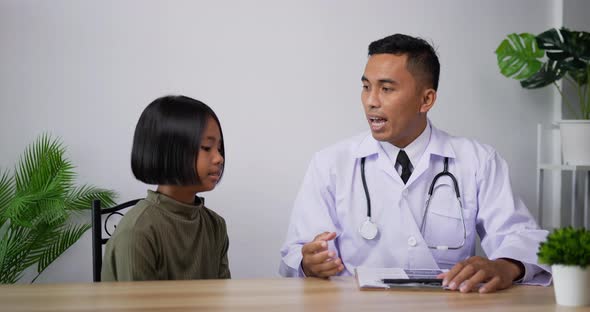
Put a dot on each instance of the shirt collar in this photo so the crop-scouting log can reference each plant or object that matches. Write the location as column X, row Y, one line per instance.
column 414, row 149
column 174, row 207
column 437, row 143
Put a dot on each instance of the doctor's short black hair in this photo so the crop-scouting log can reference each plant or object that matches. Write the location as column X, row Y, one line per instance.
column 422, row 59
column 167, row 140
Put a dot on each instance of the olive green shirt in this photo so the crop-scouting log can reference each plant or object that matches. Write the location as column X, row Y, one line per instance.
column 163, row 239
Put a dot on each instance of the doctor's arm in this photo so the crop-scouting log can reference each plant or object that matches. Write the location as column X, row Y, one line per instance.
column 309, row 248
column 509, row 236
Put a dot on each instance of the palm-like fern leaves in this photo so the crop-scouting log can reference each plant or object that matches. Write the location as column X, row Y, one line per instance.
column 35, row 205
column 6, row 191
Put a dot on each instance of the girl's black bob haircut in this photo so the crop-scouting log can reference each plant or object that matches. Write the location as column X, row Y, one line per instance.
column 167, row 140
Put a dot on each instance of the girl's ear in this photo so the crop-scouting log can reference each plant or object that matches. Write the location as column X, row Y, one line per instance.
column 428, row 99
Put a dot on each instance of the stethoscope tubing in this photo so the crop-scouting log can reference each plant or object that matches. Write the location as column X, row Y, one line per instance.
column 366, row 188
column 445, row 172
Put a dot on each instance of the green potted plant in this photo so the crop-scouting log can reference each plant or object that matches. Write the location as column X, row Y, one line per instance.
column 567, row 250
column 36, row 203
column 538, row 61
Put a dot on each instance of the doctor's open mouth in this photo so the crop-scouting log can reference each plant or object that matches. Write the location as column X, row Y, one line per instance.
column 377, row 123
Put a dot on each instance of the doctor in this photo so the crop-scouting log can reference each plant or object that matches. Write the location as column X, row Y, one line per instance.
column 362, row 202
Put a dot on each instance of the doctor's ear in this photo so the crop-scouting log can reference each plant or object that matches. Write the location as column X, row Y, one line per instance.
column 428, row 99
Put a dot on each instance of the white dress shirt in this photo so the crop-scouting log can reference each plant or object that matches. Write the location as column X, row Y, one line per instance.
column 414, row 149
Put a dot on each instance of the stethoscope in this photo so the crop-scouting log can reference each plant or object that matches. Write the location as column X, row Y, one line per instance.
column 369, row 230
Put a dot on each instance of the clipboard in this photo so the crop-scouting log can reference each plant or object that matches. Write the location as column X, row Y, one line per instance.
column 413, row 282
column 385, row 278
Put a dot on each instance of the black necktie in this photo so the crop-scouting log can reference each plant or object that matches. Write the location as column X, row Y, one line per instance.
column 404, row 161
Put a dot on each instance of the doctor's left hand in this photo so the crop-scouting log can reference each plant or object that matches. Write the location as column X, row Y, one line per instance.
column 496, row 274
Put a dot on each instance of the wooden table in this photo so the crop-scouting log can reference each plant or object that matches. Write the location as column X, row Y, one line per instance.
column 288, row 294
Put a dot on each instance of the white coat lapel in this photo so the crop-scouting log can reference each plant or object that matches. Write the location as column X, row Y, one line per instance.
column 438, row 144
column 370, row 148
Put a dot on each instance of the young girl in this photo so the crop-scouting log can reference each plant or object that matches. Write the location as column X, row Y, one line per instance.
column 171, row 235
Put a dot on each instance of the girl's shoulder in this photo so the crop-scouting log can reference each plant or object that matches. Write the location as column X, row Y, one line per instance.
column 215, row 218
column 137, row 214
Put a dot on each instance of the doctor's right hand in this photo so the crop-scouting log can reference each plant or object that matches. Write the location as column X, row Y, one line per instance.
column 317, row 260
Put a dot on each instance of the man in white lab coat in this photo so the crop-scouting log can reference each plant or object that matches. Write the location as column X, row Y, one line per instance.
column 333, row 230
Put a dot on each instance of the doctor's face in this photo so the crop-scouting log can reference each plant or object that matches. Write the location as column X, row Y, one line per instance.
column 395, row 102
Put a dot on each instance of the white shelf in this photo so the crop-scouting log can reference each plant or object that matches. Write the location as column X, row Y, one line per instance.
column 574, row 169
column 563, row 167
column 575, row 214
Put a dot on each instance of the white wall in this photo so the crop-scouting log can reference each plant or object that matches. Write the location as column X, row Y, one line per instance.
column 284, row 77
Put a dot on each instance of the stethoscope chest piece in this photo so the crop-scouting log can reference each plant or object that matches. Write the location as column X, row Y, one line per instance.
column 368, row 229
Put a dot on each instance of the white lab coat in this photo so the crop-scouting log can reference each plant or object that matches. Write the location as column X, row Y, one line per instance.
column 332, row 198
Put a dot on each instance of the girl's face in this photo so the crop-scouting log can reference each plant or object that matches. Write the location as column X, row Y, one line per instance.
column 209, row 162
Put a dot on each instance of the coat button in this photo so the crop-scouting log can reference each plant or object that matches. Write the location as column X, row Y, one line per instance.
column 412, row 241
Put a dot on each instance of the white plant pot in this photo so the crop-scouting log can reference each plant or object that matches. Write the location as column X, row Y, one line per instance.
column 571, row 284
column 575, row 142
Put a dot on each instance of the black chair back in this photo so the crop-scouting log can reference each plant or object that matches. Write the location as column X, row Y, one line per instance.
column 97, row 224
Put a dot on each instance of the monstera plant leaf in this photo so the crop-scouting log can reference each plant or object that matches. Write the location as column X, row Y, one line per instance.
column 570, row 49
column 565, row 54
column 549, row 72
column 518, row 56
